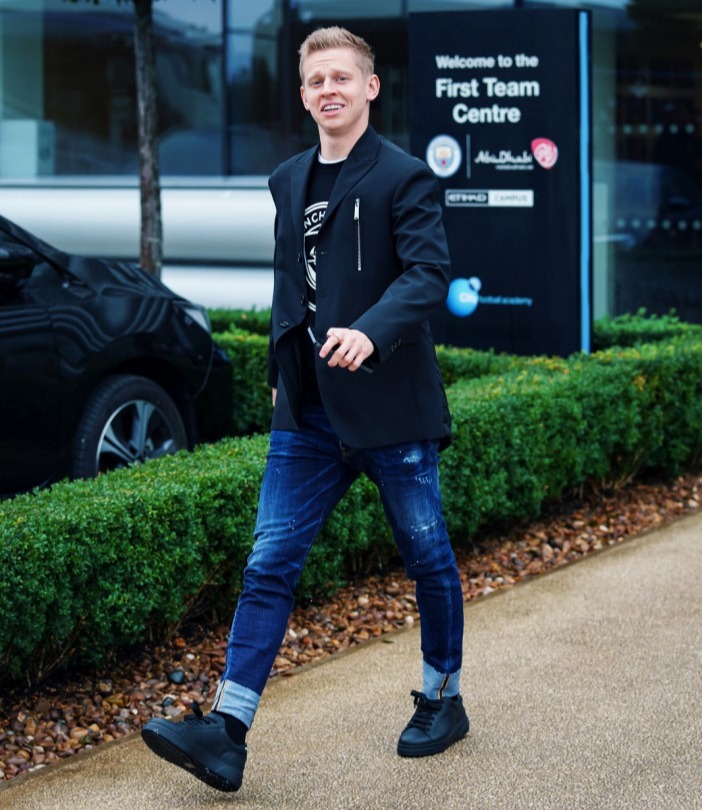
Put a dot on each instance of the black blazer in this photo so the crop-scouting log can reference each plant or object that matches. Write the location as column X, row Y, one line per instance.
column 382, row 268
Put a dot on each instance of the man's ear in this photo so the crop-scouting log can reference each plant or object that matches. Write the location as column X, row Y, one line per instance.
column 304, row 100
column 373, row 88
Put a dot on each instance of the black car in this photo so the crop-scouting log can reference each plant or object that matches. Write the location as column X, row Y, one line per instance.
column 101, row 366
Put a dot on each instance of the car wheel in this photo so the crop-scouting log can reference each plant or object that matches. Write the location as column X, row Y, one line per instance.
column 127, row 420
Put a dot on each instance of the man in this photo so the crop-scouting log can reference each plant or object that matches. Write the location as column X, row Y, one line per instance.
column 361, row 262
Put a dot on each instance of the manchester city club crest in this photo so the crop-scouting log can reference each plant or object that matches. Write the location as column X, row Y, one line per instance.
column 444, row 155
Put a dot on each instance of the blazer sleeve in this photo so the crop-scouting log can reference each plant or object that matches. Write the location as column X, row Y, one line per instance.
column 422, row 251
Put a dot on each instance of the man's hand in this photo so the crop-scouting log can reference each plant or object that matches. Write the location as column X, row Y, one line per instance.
column 348, row 348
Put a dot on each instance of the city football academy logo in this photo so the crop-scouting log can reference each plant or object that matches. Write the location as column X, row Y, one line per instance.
column 545, row 152
column 444, row 155
column 463, row 296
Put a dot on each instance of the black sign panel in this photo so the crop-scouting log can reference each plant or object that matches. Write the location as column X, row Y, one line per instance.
column 501, row 113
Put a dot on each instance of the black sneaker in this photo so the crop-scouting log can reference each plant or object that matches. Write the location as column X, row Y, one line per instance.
column 435, row 725
column 201, row 746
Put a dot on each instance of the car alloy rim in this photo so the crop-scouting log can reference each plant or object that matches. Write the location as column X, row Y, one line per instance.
column 137, row 431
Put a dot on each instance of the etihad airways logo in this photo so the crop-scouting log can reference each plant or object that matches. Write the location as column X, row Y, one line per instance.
column 483, row 198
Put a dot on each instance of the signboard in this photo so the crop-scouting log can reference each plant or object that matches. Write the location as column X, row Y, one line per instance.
column 501, row 113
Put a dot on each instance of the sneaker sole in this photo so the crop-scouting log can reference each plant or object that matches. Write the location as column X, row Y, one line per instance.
column 165, row 745
column 436, row 747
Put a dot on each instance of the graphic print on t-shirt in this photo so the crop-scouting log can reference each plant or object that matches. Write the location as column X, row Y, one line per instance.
column 314, row 215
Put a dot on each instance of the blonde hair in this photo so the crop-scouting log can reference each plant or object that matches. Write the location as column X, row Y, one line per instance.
column 336, row 37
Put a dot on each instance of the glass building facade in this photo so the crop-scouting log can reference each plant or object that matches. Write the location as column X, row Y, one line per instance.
column 229, row 110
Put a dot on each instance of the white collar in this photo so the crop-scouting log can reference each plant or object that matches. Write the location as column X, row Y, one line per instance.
column 328, row 162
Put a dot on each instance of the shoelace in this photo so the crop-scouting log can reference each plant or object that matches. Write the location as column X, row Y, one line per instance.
column 425, row 711
column 197, row 716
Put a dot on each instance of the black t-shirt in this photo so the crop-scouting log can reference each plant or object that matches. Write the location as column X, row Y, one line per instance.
column 319, row 191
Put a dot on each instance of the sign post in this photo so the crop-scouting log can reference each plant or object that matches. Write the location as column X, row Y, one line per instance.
column 501, row 113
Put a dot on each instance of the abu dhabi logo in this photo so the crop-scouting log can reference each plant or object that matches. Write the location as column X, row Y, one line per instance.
column 505, row 159
column 444, row 155
column 464, row 297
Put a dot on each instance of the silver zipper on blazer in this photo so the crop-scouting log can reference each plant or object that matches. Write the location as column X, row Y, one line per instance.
column 357, row 220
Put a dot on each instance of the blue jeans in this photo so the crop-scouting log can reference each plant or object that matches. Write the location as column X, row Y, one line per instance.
column 307, row 474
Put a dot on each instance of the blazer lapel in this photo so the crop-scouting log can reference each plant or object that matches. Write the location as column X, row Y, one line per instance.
column 298, row 189
column 360, row 161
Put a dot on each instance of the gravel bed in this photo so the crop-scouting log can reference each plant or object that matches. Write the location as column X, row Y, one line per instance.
column 68, row 715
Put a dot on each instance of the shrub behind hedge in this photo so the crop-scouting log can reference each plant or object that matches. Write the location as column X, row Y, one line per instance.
column 639, row 327
column 252, row 320
column 626, row 329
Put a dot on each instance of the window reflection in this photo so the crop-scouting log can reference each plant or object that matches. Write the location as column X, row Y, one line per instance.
column 189, row 87
column 267, row 120
column 647, row 94
column 247, row 16
column 58, row 115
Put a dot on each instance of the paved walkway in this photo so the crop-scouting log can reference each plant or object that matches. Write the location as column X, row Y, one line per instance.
column 584, row 689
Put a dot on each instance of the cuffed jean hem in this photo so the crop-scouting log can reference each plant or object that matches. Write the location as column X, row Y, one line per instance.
column 235, row 699
column 437, row 685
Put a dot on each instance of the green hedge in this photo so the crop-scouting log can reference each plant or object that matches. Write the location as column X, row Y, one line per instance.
column 89, row 567
column 243, row 335
column 248, row 352
column 540, row 432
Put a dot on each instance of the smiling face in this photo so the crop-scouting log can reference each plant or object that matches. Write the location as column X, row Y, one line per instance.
column 338, row 93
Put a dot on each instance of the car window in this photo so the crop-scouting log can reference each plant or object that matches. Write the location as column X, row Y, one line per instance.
column 27, row 283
